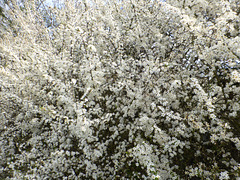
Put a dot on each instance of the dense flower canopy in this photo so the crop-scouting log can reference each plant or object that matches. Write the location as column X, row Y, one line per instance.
column 134, row 89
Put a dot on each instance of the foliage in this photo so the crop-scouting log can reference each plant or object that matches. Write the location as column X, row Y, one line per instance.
column 134, row 89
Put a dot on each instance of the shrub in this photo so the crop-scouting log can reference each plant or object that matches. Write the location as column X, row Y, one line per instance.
column 121, row 90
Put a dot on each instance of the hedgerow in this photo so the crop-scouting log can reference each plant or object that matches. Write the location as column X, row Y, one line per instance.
column 120, row 90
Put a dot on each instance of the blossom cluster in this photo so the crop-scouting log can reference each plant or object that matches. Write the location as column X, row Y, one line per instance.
column 120, row 90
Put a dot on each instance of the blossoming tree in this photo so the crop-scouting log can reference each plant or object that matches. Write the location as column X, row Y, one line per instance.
column 134, row 89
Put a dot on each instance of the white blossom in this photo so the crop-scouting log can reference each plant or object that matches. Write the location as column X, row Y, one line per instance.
column 119, row 89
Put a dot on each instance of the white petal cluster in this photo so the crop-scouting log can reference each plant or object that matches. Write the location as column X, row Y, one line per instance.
column 120, row 90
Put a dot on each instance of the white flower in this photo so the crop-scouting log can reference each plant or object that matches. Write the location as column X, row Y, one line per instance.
column 74, row 81
column 235, row 76
column 92, row 48
column 224, row 175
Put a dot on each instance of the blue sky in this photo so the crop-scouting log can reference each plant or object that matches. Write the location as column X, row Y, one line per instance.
column 50, row 2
